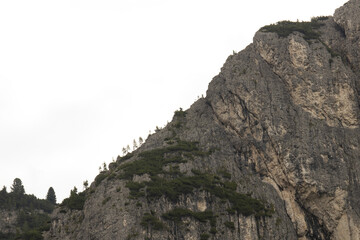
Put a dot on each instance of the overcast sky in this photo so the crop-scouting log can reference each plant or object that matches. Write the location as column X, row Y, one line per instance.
column 79, row 80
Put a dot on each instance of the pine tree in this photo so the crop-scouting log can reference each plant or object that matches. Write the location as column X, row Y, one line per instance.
column 124, row 151
column 104, row 166
column 141, row 141
column 86, row 184
column 51, row 197
column 17, row 187
column 135, row 145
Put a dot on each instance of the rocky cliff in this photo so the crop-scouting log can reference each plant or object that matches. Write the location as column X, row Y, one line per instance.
column 271, row 152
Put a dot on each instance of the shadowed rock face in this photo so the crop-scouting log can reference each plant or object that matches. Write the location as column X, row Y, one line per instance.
column 280, row 121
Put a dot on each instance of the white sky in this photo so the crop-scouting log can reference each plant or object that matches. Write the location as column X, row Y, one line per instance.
column 79, row 80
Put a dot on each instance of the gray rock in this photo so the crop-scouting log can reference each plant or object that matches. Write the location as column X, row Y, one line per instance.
column 7, row 221
column 282, row 118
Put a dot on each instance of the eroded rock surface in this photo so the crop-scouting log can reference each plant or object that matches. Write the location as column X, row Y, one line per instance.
column 281, row 120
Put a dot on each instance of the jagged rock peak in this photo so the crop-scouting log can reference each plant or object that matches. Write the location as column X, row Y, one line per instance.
column 271, row 153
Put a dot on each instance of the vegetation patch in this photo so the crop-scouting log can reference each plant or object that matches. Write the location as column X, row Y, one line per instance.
column 320, row 18
column 152, row 162
column 225, row 190
column 136, row 189
column 285, row 28
column 330, row 50
column 132, row 235
column 30, row 225
column 224, row 173
column 14, row 201
column 152, row 222
column 106, row 200
column 7, row 235
column 31, row 213
column 179, row 117
column 180, row 113
column 213, row 230
column 229, row 225
column 204, row 236
column 76, row 200
column 126, row 157
column 177, row 214
column 100, row 177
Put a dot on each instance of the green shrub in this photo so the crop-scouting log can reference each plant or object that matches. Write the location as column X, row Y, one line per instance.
column 180, row 113
column 177, row 214
column 178, row 124
column 224, row 173
column 76, row 200
column 135, row 189
column 113, row 165
column 111, row 176
column 229, row 225
column 331, row 51
column 285, row 28
column 204, row 236
column 126, row 157
column 278, row 222
column 150, row 221
column 320, row 18
column 213, row 230
column 106, row 200
column 100, row 177
column 32, row 224
column 230, row 185
column 171, row 189
column 4, row 236
column 153, row 161
column 32, row 235
column 132, row 235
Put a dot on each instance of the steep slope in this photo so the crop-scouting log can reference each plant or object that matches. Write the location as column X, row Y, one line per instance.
column 271, row 153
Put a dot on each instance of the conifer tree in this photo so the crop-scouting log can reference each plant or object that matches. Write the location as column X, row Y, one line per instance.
column 17, row 187
column 135, row 145
column 124, row 151
column 51, row 197
column 86, row 184
column 141, row 141
column 104, row 166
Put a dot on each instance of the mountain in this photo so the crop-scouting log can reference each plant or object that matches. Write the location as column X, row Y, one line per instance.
column 271, row 152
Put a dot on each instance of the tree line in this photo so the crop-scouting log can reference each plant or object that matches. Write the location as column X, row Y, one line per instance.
column 17, row 198
column 32, row 214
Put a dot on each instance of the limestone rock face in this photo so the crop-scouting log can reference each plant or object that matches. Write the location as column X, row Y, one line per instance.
column 280, row 121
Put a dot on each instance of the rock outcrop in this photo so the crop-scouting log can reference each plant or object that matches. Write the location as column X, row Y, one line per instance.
column 272, row 151
column 7, row 222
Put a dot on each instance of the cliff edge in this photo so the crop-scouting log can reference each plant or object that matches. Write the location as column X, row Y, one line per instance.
column 271, row 152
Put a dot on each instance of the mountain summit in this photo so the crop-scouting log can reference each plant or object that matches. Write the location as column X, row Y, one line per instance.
column 271, row 152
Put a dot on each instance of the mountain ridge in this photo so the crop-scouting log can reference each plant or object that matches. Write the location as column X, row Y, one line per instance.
column 270, row 153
